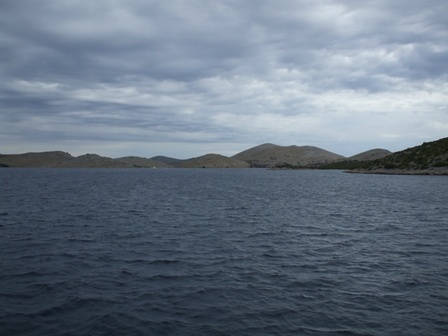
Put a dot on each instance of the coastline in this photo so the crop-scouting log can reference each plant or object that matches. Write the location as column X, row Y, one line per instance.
column 440, row 171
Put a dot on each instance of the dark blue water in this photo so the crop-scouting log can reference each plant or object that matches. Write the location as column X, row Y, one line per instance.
column 222, row 252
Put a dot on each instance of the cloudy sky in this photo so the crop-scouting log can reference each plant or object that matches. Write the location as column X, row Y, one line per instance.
column 184, row 78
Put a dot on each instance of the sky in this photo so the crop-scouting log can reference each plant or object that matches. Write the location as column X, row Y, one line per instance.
column 184, row 78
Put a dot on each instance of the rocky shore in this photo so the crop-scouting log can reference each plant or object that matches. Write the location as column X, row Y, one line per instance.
column 384, row 171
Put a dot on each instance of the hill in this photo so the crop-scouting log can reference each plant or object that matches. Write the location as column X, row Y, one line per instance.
column 428, row 158
column 96, row 161
column 58, row 159
column 140, row 162
column 373, row 154
column 213, row 161
column 37, row 160
column 171, row 162
column 360, row 160
column 270, row 155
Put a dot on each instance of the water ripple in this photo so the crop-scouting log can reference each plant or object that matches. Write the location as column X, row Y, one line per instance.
column 222, row 252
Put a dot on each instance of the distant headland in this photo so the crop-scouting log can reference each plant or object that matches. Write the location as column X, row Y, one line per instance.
column 428, row 158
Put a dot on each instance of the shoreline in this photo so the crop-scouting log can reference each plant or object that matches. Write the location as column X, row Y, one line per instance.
column 438, row 171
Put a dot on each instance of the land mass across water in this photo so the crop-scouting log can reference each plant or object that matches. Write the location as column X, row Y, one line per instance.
column 262, row 156
column 428, row 158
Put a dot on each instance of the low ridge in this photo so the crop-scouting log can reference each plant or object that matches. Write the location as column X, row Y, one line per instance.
column 140, row 162
column 373, row 154
column 430, row 157
column 59, row 159
column 171, row 162
column 37, row 160
column 214, row 161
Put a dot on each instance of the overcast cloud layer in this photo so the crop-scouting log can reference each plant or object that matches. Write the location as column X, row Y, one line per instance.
column 186, row 78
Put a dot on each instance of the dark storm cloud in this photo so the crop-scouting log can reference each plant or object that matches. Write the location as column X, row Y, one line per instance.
column 222, row 71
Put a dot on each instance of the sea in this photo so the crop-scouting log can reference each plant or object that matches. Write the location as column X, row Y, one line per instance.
column 222, row 252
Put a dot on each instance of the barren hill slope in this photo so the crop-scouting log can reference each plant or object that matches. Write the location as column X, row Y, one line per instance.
column 37, row 160
column 172, row 162
column 141, row 162
column 269, row 155
column 97, row 161
column 59, row 159
column 213, row 161
column 373, row 154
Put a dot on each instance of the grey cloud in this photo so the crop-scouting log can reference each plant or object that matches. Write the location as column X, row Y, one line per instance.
column 177, row 41
column 153, row 70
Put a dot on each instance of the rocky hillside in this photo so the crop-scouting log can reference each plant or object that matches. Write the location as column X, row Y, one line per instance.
column 170, row 162
column 270, row 155
column 430, row 158
column 213, row 161
column 96, row 161
column 59, row 159
column 430, row 155
column 36, row 160
column 360, row 160
column 373, row 154
column 140, row 162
